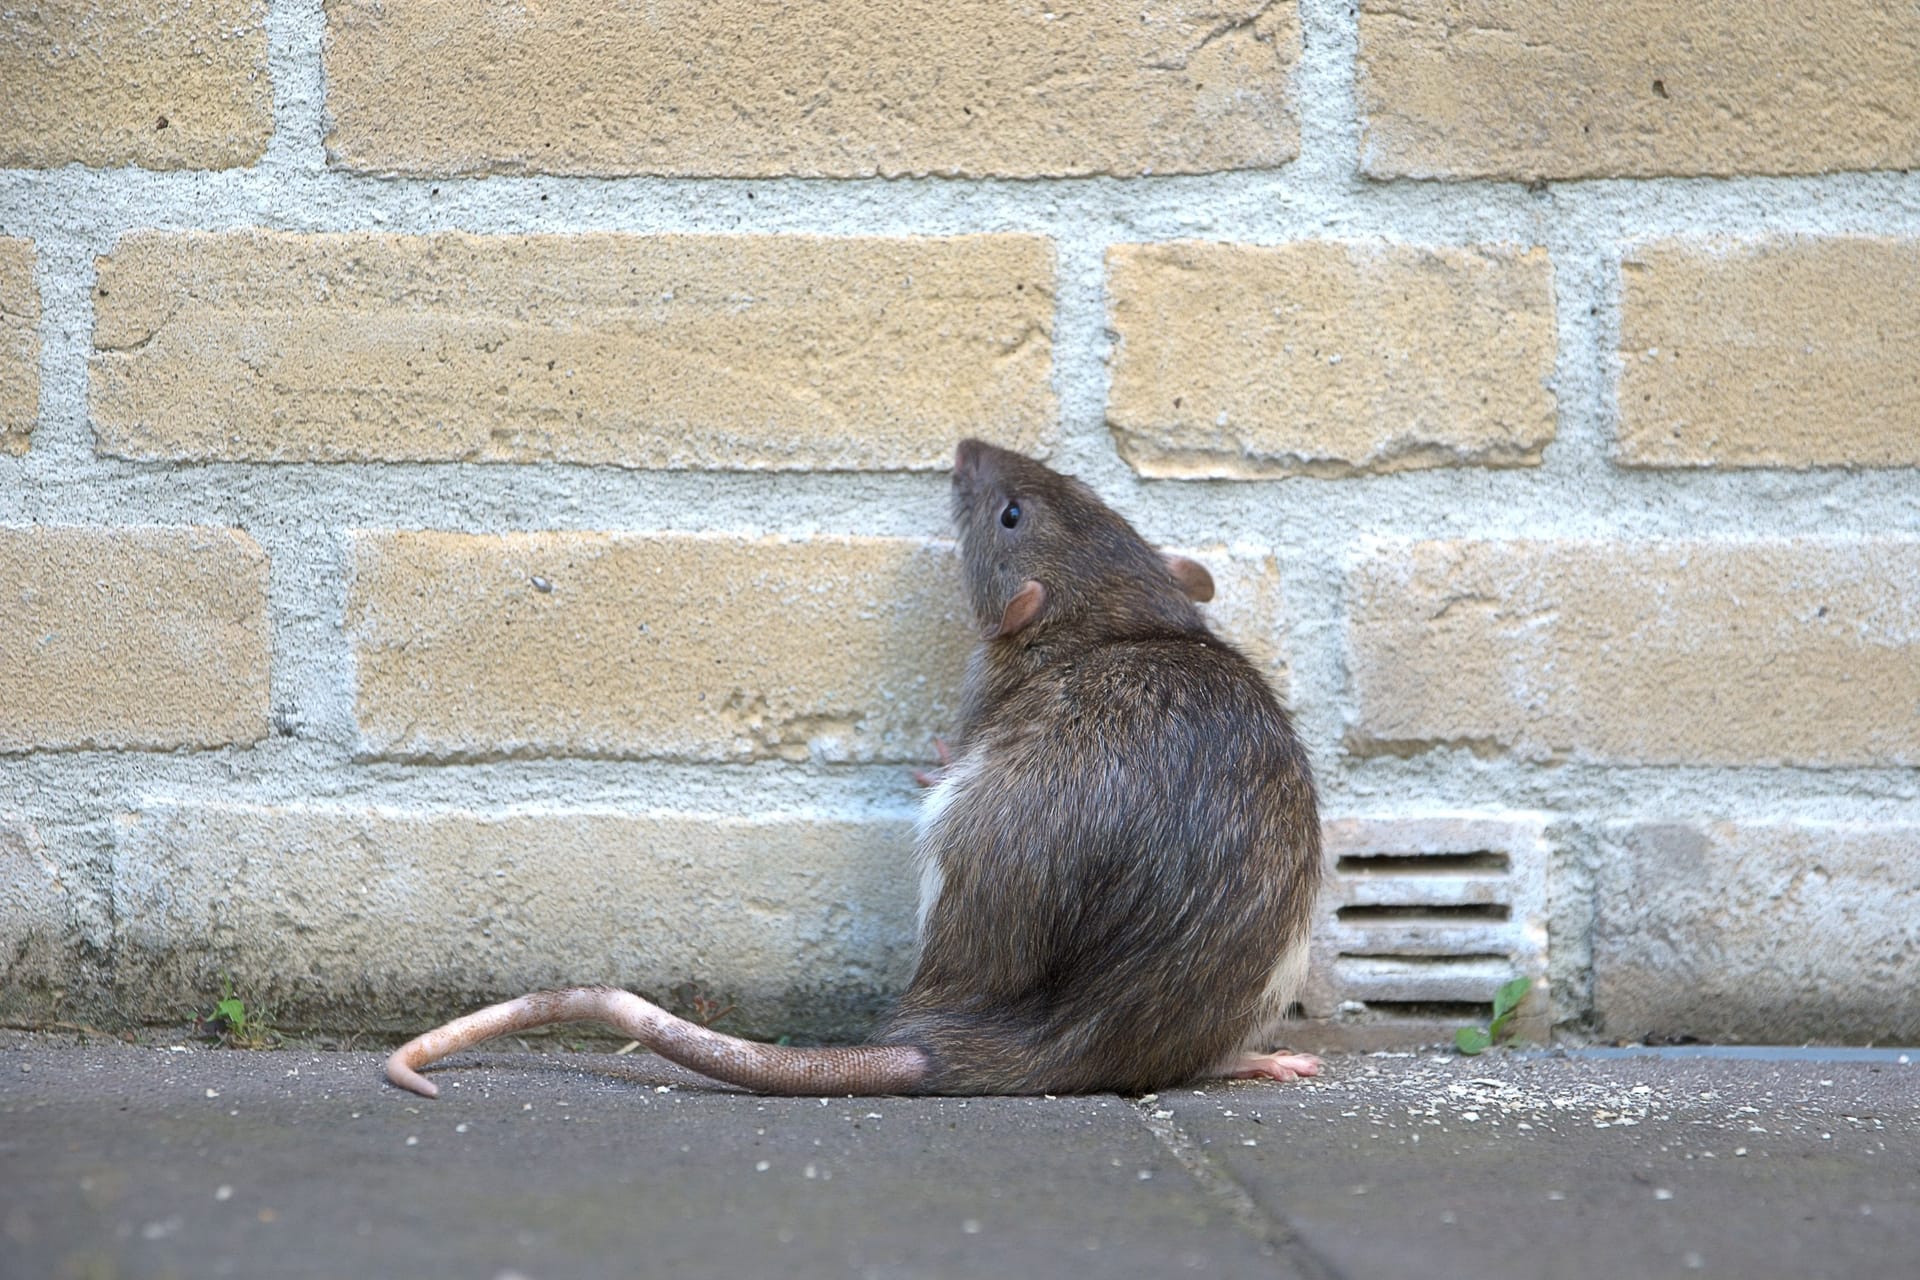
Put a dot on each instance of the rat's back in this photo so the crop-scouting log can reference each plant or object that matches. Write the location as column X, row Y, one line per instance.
column 1124, row 855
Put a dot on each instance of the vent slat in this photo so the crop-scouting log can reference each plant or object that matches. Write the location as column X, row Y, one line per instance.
column 1434, row 944
column 1370, row 983
column 1438, row 939
column 1414, row 890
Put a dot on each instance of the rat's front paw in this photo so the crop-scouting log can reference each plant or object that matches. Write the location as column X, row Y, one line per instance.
column 942, row 758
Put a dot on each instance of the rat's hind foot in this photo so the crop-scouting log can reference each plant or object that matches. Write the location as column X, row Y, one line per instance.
column 1279, row 1065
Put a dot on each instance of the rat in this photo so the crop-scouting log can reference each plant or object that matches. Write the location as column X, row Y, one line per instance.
column 1119, row 853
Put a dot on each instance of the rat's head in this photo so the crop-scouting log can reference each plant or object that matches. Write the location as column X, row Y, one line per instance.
column 1042, row 551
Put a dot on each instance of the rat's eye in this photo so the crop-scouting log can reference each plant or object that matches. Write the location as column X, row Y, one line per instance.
column 1010, row 515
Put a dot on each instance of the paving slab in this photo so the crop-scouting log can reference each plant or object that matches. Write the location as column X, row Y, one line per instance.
column 1569, row 1166
column 126, row 1162
column 156, row 1161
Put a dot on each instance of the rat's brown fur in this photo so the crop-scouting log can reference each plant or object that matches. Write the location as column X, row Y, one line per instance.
column 1132, row 845
column 1123, row 852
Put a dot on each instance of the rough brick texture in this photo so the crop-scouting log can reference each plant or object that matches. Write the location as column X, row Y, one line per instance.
column 1248, row 606
column 737, row 352
column 1781, row 353
column 1655, row 652
column 692, row 646
column 1637, row 88
column 132, row 638
column 19, row 346
column 745, row 89
column 592, row 372
column 1772, row 932
column 365, row 917
column 686, row 646
column 1324, row 357
column 35, row 929
column 165, row 84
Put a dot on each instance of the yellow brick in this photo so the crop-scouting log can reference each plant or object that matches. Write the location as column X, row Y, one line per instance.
column 1327, row 358
column 19, row 346
column 1248, row 606
column 1776, row 932
column 1636, row 88
column 726, row 352
column 745, row 89
column 380, row 917
column 132, row 638
column 165, row 84
column 694, row 646
column 1656, row 652
column 704, row 647
column 1778, row 353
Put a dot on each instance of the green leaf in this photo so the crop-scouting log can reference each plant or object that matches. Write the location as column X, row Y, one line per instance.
column 1509, row 996
column 234, row 1010
column 1471, row 1040
column 1506, row 1002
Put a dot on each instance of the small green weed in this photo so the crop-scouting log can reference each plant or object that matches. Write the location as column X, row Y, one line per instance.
column 232, row 1026
column 1506, row 1001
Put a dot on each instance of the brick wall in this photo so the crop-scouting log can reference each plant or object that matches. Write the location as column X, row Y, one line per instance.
column 472, row 498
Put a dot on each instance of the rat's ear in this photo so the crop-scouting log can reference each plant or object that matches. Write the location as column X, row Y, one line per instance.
column 1025, row 606
column 1192, row 577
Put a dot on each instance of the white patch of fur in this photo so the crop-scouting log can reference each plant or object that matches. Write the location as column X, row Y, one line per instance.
column 932, row 881
column 1283, row 984
column 933, row 807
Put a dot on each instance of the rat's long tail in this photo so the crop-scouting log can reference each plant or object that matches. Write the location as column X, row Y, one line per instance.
column 763, row 1068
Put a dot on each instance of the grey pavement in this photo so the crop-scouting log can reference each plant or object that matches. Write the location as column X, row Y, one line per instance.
column 118, row 1161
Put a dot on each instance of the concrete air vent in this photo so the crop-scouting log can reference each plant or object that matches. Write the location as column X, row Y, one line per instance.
column 1421, row 920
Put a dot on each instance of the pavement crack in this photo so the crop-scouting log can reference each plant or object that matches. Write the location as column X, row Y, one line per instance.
column 1271, row 1230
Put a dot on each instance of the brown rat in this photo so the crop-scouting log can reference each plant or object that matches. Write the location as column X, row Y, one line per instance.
column 1118, row 863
